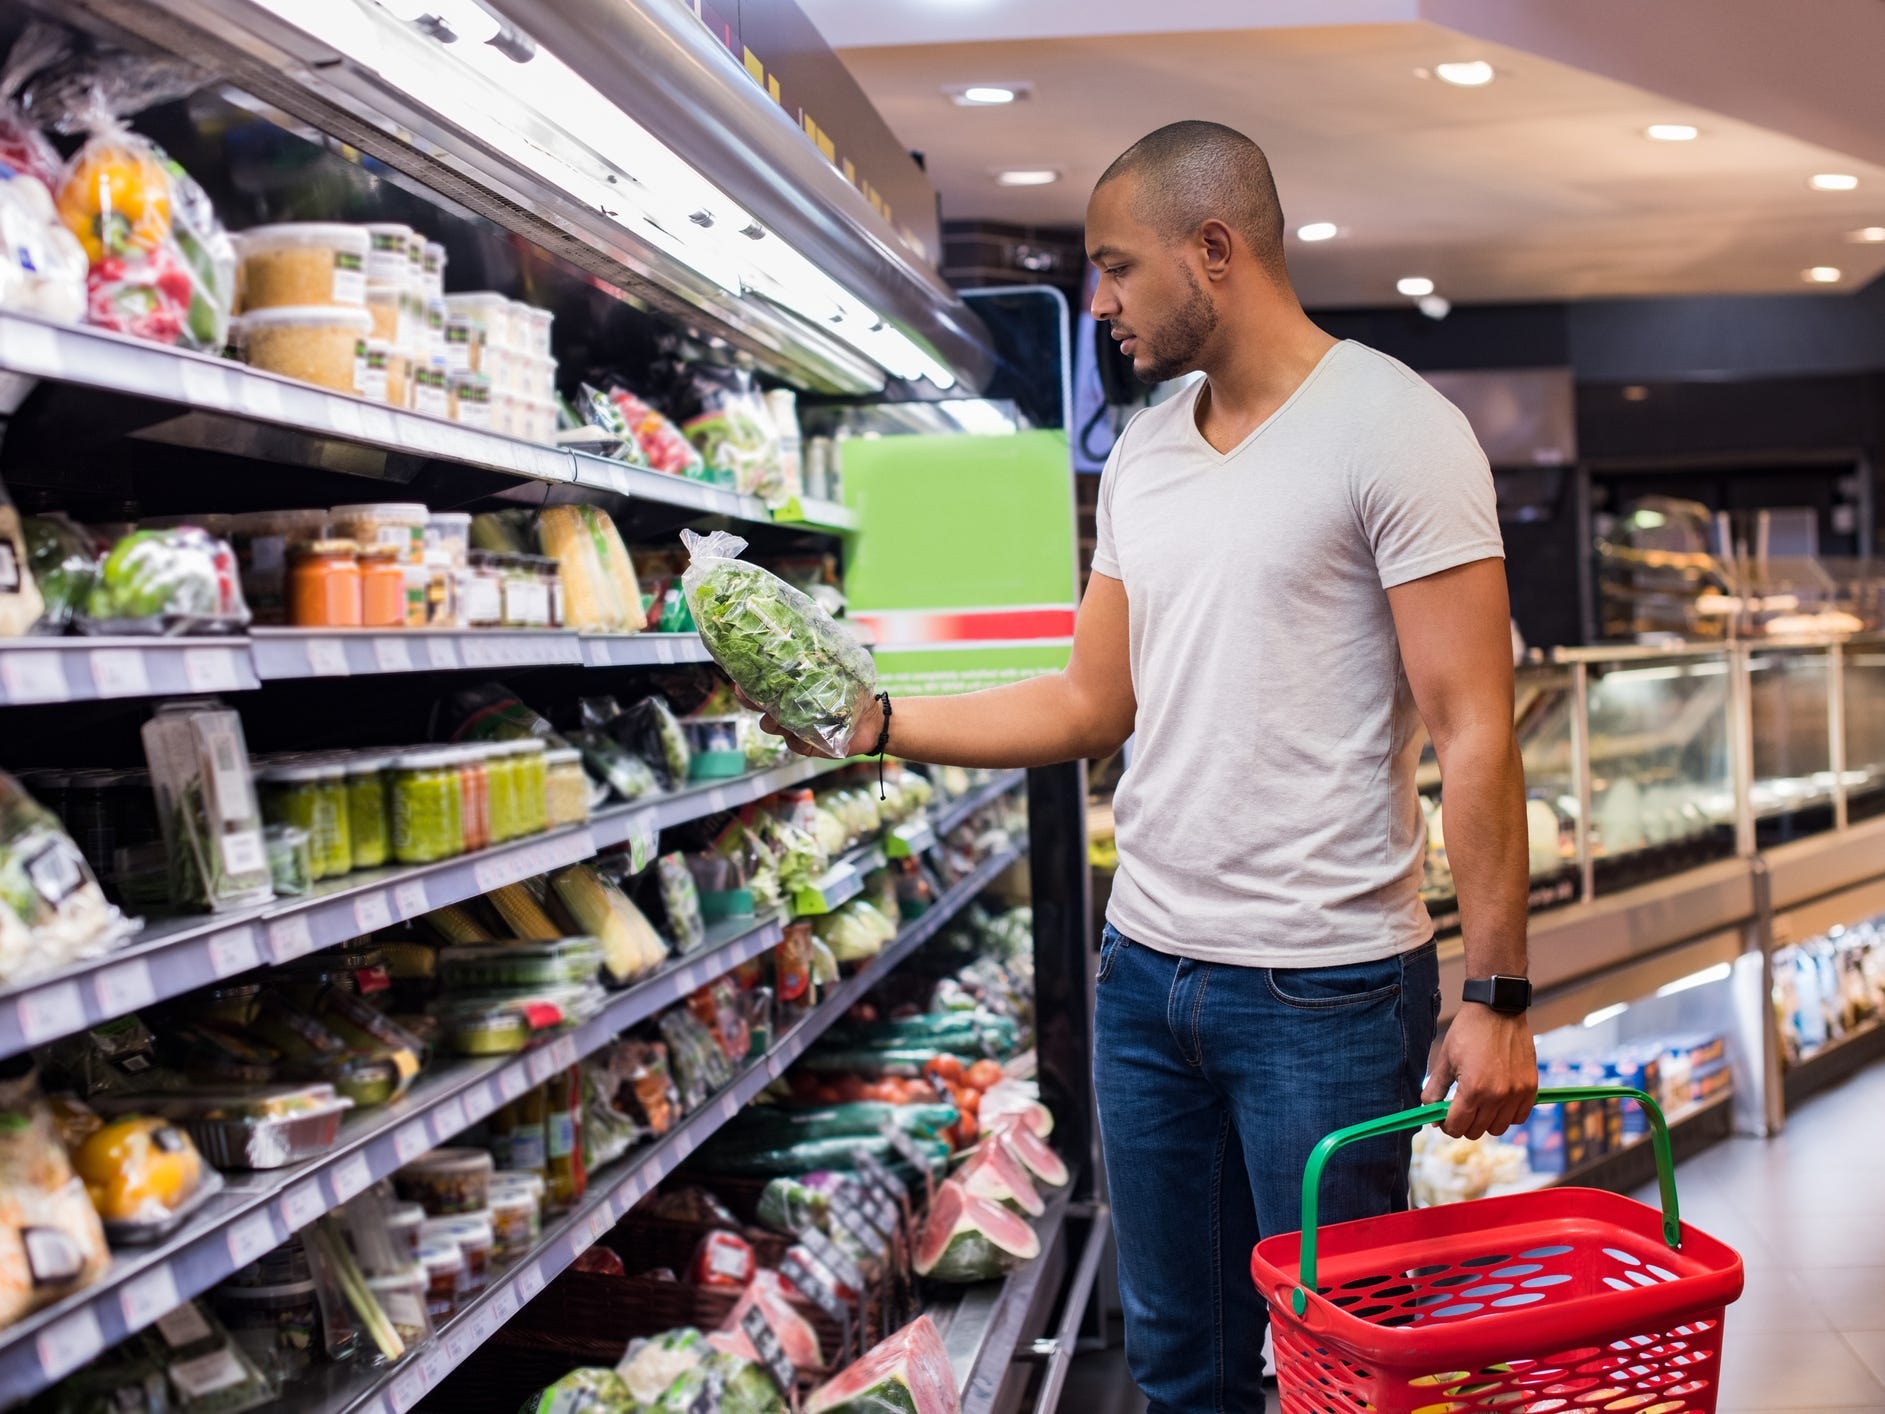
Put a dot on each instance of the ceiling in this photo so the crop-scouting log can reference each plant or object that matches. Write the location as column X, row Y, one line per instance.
column 1539, row 186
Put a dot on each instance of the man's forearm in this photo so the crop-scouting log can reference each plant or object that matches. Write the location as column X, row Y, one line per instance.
column 1040, row 722
column 1484, row 783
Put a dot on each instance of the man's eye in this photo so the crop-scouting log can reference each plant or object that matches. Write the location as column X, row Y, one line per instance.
column 1116, row 271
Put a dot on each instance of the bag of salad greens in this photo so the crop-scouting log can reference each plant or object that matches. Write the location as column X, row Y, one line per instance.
column 787, row 655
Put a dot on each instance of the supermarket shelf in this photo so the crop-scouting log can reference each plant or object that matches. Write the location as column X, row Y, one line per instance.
column 983, row 1325
column 839, row 884
column 259, row 1211
column 36, row 670
column 1832, row 1063
column 218, row 391
column 1059, row 1349
column 908, row 840
column 1627, row 1169
column 328, row 653
column 640, row 484
column 642, row 650
column 956, row 811
column 1809, row 868
column 180, row 955
column 815, row 514
column 613, row 1191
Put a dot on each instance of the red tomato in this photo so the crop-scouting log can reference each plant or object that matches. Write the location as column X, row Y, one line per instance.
column 947, row 1069
column 983, row 1074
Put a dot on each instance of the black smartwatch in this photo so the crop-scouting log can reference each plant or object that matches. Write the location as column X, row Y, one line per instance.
column 1509, row 996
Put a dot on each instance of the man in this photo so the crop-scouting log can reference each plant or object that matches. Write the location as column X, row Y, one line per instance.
column 1298, row 563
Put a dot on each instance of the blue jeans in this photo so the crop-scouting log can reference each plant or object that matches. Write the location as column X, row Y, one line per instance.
column 1214, row 1083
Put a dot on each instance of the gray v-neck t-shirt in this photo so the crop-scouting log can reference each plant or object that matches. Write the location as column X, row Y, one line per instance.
column 1269, row 817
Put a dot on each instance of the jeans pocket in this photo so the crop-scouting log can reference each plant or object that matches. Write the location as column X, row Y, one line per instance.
column 1111, row 941
column 1350, row 985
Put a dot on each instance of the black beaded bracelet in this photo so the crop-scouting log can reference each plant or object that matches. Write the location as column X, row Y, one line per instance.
column 883, row 744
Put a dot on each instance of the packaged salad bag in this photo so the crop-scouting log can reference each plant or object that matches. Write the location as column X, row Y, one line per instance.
column 787, row 655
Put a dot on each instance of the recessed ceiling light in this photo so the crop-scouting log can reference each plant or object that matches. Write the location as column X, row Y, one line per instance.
column 1635, row 393
column 1867, row 235
column 1821, row 275
column 1317, row 231
column 1832, row 181
column 1027, row 177
column 986, row 95
column 1469, row 73
column 1415, row 286
column 1672, row 132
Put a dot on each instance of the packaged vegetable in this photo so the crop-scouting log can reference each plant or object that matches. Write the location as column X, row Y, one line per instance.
column 51, row 1242
column 696, row 1206
column 600, row 591
column 20, row 601
column 700, row 1064
column 787, row 655
column 584, row 1391
column 23, row 147
column 212, row 826
column 650, row 727
column 625, row 773
column 733, row 432
column 42, row 265
column 177, row 580
column 664, row 447
column 682, row 901
column 64, row 562
column 722, row 1259
column 209, row 1371
column 143, row 1175
column 789, row 1206
column 735, row 1384
column 908, row 1373
column 52, row 911
column 630, row 946
column 652, row 1365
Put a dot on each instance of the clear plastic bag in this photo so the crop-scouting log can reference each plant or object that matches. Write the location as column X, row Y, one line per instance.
column 42, row 265
column 178, row 580
column 52, row 911
column 787, row 655
column 734, row 433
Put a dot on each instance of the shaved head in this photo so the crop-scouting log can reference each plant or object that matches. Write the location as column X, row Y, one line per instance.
column 1192, row 172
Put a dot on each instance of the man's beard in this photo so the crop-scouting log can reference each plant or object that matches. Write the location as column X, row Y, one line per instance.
column 1181, row 338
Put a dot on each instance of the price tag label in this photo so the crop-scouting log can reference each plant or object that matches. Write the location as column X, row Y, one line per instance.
column 832, row 1257
column 68, row 1343
column 251, row 1239
column 32, row 677
column 530, row 1281
column 912, row 1154
column 371, row 912
column 211, row 669
column 409, row 899
column 717, row 800
column 411, row 1141
column 393, row 655
column 504, row 1304
column 817, row 1284
column 34, row 348
column 512, row 1081
column 542, row 1066
column 350, row 1178
column 302, row 1204
column 204, row 383
column 438, row 1364
column 51, row 1012
column 124, row 988
column 458, row 1346
column 479, row 1102
column 664, row 651
column 563, row 1052
column 488, row 875
column 327, row 658
column 260, row 396
column 483, row 1323
column 449, row 1119
column 233, row 952
column 409, row 1389
column 580, row 1241
column 120, row 672
column 343, row 415
column 766, row 1341
column 290, row 937
column 443, row 651
column 148, row 1298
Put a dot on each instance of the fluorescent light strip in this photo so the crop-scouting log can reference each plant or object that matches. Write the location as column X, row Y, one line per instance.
column 1720, row 972
column 1603, row 1014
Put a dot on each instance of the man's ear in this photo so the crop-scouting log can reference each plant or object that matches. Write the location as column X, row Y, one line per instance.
column 1216, row 244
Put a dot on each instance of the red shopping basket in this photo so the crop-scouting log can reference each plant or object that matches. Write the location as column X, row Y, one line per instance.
column 1567, row 1300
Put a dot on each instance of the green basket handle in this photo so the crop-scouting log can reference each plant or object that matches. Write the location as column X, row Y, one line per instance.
column 1429, row 1114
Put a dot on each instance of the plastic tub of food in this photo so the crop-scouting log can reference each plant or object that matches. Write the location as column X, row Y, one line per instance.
column 266, row 1128
column 302, row 264
column 540, row 420
column 538, row 379
column 475, row 1238
column 279, row 1326
column 398, row 523
column 449, row 532
column 536, row 327
column 429, row 389
column 470, row 400
column 567, row 960
column 375, row 370
column 516, row 1220
column 446, row 1181
column 445, row 1279
column 385, row 303
column 491, row 312
column 399, row 379
column 432, row 266
column 464, row 341
column 315, row 344
column 491, row 1029
column 402, row 1296
column 568, row 786
column 388, row 252
column 717, row 754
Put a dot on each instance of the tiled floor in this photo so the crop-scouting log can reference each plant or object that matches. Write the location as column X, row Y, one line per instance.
column 1807, row 1213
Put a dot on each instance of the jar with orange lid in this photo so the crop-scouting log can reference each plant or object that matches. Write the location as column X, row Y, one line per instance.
column 324, row 585
column 382, row 587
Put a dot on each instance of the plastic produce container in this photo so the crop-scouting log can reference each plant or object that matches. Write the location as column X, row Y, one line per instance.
column 447, row 1181
column 717, row 754
column 566, row 961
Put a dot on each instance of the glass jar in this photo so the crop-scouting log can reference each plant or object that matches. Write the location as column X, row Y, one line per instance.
column 500, row 769
column 382, row 587
column 324, row 585
column 295, row 793
column 426, row 811
column 337, row 842
column 533, row 810
column 261, row 540
column 526, row 599
column 568, row 787
column 481, row 590
column 369, row 810
column 551, row 573
column 449, row 533
column 474, row 796
column 431, row 596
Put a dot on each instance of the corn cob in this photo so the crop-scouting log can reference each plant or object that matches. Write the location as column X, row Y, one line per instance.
column 454, row 924
column 518, row 907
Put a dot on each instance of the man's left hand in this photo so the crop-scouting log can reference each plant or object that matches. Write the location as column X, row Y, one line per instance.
column 1492, row 1059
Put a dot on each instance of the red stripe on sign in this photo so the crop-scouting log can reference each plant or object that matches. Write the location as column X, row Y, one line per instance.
column 891, row 630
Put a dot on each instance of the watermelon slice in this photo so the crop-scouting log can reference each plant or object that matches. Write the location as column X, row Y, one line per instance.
column 1016, row 1097
column 905, row 1374
column 1014, row 1135
column 767, row 1291
column 967, row 1239
column 993, row 1171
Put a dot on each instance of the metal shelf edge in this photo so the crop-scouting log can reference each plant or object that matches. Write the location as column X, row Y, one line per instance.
column 956, row 811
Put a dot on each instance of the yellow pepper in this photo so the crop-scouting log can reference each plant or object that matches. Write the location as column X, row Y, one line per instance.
column 116, row 199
